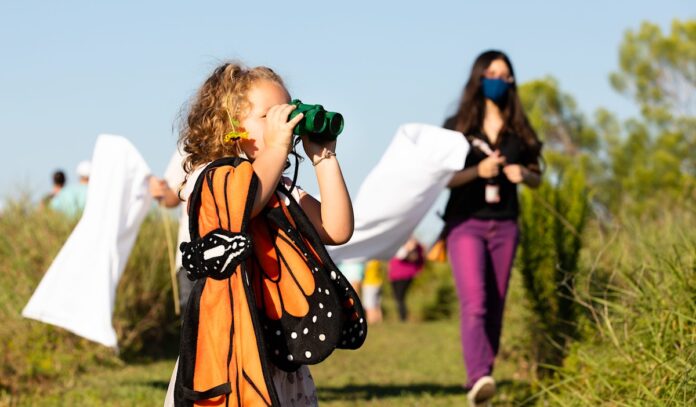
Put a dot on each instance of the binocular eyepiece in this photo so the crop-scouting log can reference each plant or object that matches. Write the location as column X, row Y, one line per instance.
column 320, row 125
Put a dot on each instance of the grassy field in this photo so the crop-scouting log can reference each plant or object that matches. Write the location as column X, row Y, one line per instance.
column 411, row 364
column 636, row 292
column 417, row 363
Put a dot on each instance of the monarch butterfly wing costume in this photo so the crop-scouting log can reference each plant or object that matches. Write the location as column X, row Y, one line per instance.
column 302, row 328
column 221, row 360
column 266, row 292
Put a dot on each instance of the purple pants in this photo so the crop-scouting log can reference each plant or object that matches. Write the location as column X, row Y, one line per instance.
column 481, row 254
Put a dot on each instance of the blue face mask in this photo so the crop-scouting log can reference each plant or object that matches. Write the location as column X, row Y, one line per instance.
column 494, row 89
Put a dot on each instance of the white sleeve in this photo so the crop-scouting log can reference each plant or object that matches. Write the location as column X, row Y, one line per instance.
column 175, row 174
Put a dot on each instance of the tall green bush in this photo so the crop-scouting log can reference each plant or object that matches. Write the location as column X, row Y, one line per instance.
column 643, row 347
column 552, row 220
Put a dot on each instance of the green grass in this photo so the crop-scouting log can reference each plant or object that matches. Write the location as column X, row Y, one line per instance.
column 410, row 364
column 417, row 363
column 641, row 303
column 401, row 364
column 636, row 288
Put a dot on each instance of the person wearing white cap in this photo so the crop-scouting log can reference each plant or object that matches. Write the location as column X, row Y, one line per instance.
column 71, row 199
column 83, row 169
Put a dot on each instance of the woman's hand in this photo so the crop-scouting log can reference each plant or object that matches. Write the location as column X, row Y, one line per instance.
column 278, row 133
column 489, row 167
column 516, row 173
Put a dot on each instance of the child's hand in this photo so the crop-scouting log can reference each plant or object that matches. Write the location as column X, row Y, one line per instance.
column 157, row 187
column 278, row 133
column 333, row 216
column 316, row 150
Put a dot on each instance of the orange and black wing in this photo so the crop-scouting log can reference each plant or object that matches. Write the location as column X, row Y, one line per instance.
column 353, row 330
column 308, row 307
column 222, row 359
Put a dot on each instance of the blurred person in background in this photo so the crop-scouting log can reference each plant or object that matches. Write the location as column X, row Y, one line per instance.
column 403, row 267
column 482, row 210
column 354, row 272
column 71, row 199
column 59, row 179
column 371, row 295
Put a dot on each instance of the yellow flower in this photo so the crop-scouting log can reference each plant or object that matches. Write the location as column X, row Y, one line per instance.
column 236, row 135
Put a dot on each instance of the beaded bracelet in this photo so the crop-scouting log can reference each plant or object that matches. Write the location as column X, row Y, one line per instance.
column 326, row 154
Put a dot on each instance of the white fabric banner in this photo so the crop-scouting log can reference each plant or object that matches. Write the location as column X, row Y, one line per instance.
column 400, row 190
column 79, row 289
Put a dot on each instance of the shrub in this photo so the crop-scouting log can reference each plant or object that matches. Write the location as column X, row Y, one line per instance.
column 33, row 352
column 643, row 347
column 552, row 220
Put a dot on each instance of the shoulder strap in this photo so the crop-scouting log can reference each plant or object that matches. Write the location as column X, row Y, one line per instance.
column 232, row 197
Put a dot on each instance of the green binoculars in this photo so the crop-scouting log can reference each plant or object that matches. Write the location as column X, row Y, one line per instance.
column 317, row 123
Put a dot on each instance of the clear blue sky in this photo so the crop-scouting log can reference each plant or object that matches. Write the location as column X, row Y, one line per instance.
column 74, row 69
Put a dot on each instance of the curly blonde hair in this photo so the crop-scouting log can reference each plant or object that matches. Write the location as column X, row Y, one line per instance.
column 222, row 97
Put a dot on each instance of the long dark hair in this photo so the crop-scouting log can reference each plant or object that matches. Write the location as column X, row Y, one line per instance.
column 470, row 113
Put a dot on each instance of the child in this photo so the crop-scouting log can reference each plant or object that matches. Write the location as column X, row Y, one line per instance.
column 372, row 291
column 403, row 267
column 242, row 112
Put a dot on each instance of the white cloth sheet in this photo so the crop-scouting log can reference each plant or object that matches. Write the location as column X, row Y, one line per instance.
column 78, row 291
column 400, row 190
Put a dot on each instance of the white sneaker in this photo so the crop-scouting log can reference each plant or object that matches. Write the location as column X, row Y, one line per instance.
column 481, row 392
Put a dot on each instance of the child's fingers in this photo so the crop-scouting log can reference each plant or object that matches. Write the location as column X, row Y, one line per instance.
column 280, row 113
column 284, row 111
column 292, row 123
column 274, row 113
